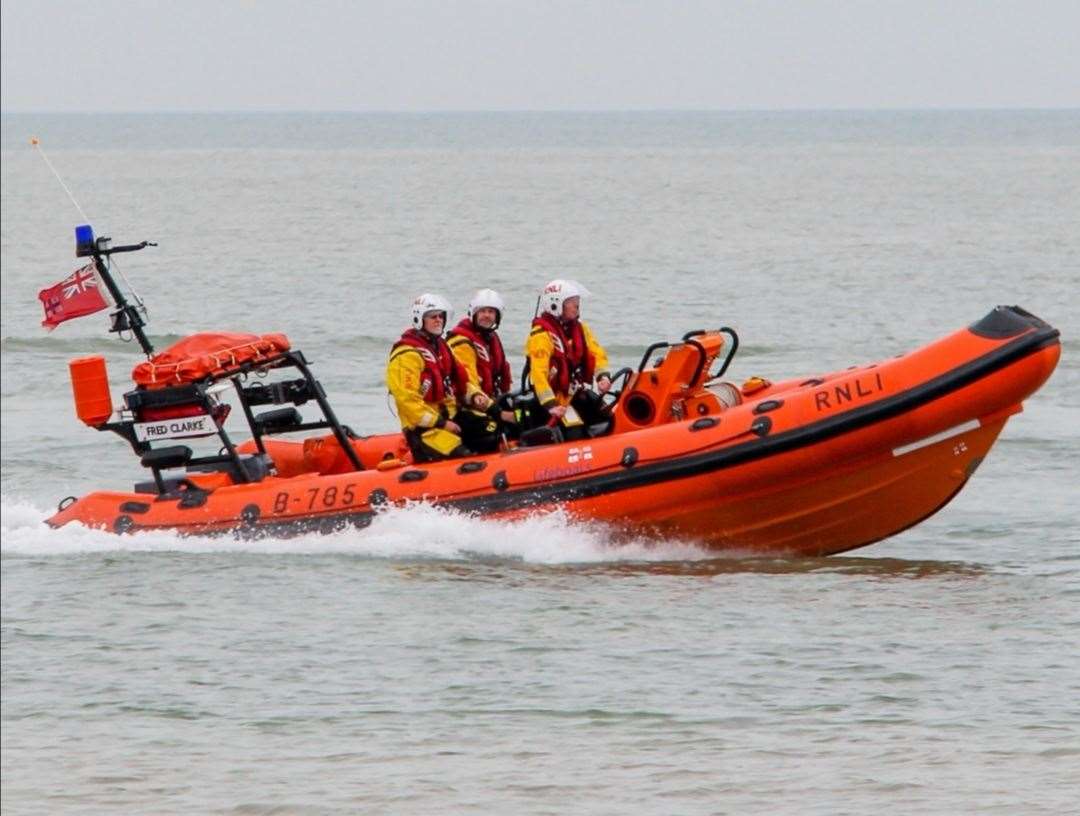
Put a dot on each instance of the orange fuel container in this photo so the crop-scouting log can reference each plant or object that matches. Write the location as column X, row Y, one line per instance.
column 90, row 384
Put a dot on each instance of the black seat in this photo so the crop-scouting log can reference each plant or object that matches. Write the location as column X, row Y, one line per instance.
column 165, row 458
column 544, row 435
column 256, row 467
column 159, row 459
column 599, row 428
column 279, row 419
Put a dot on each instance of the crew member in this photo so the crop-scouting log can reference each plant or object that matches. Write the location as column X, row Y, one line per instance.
column 476, row 345
column 427, row 382
column 565, row 358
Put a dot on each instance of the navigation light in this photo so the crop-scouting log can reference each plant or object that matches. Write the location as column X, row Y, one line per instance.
column 84, row 241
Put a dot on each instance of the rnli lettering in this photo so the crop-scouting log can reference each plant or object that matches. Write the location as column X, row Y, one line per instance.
column 835, row 396
column 549, row 473
column 201, row 425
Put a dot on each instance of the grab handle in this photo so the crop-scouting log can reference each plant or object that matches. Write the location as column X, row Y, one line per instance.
column 731, row 353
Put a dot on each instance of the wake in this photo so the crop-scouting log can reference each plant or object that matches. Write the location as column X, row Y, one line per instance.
column 409, row 533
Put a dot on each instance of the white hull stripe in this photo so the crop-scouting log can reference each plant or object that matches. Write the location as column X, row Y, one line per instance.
column 938, row 437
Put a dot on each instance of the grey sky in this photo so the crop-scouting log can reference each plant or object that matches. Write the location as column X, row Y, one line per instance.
column 121, row 55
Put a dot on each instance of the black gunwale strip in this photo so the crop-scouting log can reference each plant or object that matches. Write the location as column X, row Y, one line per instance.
column 697, row 464
column 329, row 523
column 758, row 448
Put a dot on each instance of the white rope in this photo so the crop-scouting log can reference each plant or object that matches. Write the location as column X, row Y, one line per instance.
column 138, row 300
column 36, row 143
column 37, row 146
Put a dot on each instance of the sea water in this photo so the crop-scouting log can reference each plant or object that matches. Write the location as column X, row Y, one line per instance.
column 438, row 662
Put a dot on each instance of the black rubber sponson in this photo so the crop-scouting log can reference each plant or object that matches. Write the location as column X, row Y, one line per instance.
column 1006, row 321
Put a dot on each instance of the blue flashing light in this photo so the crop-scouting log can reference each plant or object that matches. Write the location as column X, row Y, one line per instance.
column 84, row 241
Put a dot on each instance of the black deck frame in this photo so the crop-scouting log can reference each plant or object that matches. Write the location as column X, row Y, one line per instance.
column 292, row 392
column 129, row 317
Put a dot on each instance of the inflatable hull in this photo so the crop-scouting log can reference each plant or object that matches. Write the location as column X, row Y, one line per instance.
column 808, row 467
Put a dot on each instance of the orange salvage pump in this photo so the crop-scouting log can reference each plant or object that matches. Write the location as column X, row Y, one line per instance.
column 808, row 466
column 675, row 387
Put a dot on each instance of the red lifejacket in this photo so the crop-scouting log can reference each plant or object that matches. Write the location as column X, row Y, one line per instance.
column 571, row 359
column 443, row 376
column 491, row 363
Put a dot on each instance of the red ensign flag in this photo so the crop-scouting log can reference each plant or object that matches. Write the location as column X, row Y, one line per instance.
column 75, row 296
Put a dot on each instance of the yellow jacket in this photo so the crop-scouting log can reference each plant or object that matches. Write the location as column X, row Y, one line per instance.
column 538, row 349
column 464, row 353
column 403, row 372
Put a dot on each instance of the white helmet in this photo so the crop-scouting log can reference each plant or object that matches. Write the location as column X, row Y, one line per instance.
column 557, row 292
column 487, row 299
column 428, row 302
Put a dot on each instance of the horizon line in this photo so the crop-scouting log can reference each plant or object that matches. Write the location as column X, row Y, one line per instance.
column 577, row 111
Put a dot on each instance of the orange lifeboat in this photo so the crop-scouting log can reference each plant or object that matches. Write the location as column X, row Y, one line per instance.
column 811, row 466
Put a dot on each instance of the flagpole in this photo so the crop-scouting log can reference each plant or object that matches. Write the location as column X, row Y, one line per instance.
column 126, row 317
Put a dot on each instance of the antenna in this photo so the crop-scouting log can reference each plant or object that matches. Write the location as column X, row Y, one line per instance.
column 36, row 142
column 127, row 316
